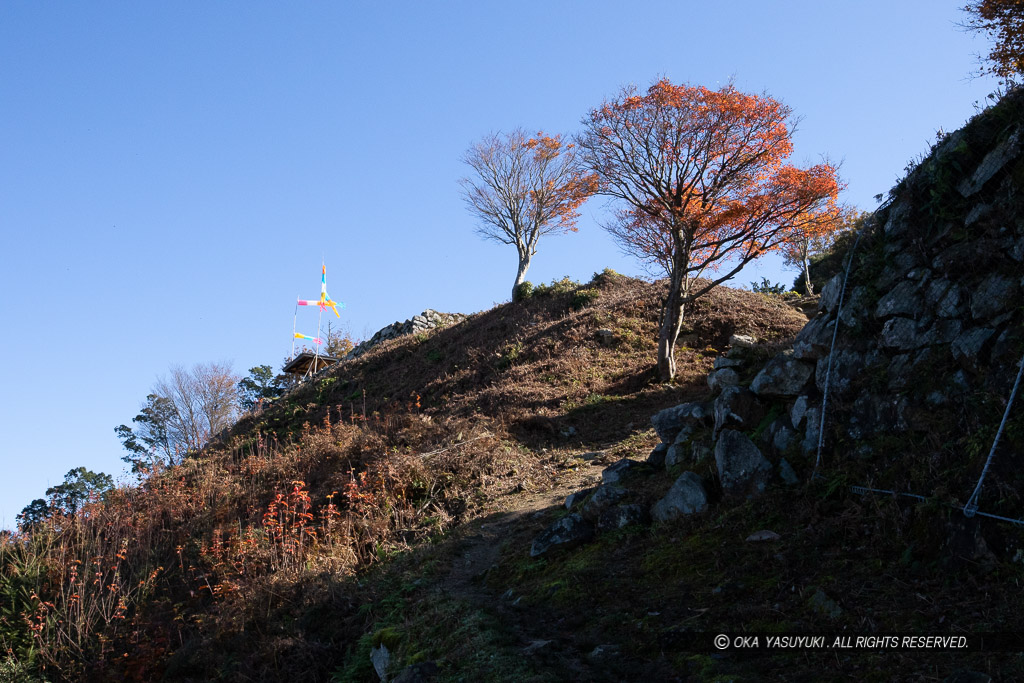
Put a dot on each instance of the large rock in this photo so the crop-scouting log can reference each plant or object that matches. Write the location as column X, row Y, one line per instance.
column 686, row 497
column 726, row 377
column 903, row 299
column 830, row 294
column 567, row 532
column 812, row 430
column 969, row 347
column 737, row 407
column 779, row 434
column 617, row 472
column 604, row 497
column 620, row 516
column 656, row 458
column 577, row 497
column 742, row 469
column 901, row 334
column 668, row 423
column 815, row 339
column 799, row 410
column 995, row 295
column 781, row 377
column 856, row 307
column 991, row 164
column 679, row 451
column 944, row 297
column 847, row 366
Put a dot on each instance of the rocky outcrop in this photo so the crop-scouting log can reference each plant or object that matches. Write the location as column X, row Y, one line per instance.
column 427, row 320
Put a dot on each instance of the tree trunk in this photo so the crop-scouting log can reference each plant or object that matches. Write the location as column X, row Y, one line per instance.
column 808, row 287
column 524, row 265
column 672, row 313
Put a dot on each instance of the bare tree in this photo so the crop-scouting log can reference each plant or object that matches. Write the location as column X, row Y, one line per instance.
column 205, row 400
column 524, row 188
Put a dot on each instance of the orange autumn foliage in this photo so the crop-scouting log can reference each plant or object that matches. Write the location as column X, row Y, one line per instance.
column 523, row 188
column 702, row 181
column 1003, row 22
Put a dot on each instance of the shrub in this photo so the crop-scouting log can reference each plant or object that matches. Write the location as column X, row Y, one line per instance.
column 523, row 291
column 766, row 287
column 584, row 297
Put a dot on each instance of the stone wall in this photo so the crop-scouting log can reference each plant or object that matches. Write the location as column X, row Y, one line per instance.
column 930, row 334
column 427, row 320
column 927, row 341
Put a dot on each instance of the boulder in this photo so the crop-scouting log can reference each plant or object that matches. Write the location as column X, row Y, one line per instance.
column 743, row 341
column 815, row 339
column 742, row 469
column 903, row 299
column 798, row 411
column 657, row 455
column 617, row 472
column 995, row 294
column 781, row 377
column 668, row 423
column 901, row 334
column 812, row 430
column 604, row 496
column 855, row 308
column 970, row 345
column 944, row 298
column 567, row 532
column 943, row 331
column 830, row 294
column 780, row 434
column 787, row 474
column 686, row 497
column 726, row 377
column 991, row 164
column 619, row 516
column 574, row 499
column 847, row 366
column 701, row 450
column 677, row 453
column 737, row 407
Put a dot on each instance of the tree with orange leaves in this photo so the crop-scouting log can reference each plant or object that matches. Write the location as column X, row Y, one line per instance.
column 525, row 188
column 702, row 182
column 1002, row 21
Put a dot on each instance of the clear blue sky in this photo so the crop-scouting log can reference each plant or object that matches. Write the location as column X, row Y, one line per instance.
column 173, row 173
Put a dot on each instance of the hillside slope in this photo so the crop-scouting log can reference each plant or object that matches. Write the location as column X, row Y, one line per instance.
column 239, row 548
column 386, row 518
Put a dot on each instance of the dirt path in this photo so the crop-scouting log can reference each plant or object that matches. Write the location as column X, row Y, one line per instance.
column 517, row 516
column 482, row 546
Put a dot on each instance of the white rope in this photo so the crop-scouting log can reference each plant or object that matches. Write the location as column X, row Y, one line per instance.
column 831, row 352
column 971, row 508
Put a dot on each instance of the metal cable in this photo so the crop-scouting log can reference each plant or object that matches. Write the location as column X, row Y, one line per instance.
column 864, row 490
column 971, row 508
column 831, row 350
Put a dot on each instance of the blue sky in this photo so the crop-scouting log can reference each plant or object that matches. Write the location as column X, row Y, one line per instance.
column 173, row 173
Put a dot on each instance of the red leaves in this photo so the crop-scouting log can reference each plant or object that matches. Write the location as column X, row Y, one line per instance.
column 703, row 181
column 703, row 171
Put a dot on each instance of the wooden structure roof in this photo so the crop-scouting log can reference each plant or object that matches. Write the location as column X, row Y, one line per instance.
column 302, row 363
